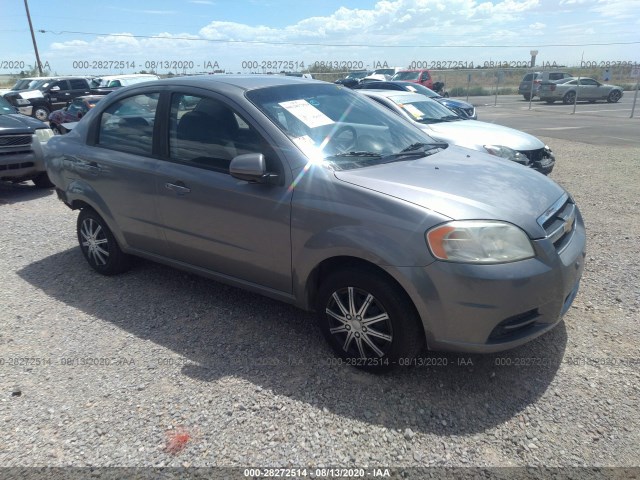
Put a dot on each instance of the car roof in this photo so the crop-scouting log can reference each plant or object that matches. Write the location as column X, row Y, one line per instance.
column 243, row 82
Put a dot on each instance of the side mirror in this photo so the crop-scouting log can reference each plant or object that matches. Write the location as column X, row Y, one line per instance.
column 54, row 89
column 251, row 167
column 79, row 114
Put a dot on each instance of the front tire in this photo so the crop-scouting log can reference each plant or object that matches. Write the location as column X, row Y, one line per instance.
column 98, row 244
column 42, row 181
column 527, row 96
column 368, row 321
column 614, row 96
column 41, row 113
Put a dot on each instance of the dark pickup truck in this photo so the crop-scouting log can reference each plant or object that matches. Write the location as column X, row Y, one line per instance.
column 22, row 142
column 48, row 95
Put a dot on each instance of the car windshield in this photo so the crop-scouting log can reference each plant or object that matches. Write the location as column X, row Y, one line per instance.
column 406, row 76
column 333, row 125
column 5, row 107
column 424, row 110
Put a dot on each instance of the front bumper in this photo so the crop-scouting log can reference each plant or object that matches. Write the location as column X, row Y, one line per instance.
column 490, row 308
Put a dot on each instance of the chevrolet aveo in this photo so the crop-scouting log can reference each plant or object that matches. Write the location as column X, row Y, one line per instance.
column 309, row 193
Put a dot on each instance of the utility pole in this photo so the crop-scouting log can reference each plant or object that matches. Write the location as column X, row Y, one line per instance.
column 33, row 37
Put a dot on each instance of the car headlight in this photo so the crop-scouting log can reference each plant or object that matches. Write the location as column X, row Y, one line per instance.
column 479, row 241
column 22, row 101
column 508, row 153
column 44, row 134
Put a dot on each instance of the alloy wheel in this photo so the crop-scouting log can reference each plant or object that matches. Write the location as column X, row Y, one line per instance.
column 94, row 242
column 360, row 323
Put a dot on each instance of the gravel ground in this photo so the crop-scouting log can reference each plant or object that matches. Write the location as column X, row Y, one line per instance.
column 201, row 374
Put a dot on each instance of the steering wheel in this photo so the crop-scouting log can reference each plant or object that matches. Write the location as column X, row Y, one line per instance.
column 344, row 139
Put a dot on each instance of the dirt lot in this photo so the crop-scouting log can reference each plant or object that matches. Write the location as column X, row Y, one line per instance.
column 160, row 368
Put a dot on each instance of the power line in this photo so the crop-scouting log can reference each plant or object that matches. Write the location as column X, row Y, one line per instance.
column 265, row 42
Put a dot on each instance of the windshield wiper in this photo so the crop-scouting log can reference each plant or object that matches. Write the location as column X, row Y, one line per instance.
column 355, row 154
column 419, row 145
column 417, row 150
column 450, row 118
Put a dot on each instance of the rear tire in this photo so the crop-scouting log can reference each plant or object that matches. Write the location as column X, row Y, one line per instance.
column 526, row 96
column 98, row 244
column 368, row 321
column 42, row 181
column 569, row 98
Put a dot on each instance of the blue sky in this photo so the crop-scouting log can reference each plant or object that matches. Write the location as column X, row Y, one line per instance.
column 235, row 35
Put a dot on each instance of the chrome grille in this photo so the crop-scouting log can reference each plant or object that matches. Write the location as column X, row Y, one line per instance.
column 559, row 222
column 14, row 140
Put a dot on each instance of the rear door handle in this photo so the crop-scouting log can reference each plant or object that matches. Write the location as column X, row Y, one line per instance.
column 179, row 188
column 90, row 167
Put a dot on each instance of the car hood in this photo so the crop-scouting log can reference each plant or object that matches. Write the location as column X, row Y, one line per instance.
column 27, row 94
column 454, row 103
column 465, row 185
column 476, row 134
column 16, row 123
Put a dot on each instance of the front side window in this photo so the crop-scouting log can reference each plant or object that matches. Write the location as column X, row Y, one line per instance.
column 206, row 133
column 62, row 84
column 128, row 124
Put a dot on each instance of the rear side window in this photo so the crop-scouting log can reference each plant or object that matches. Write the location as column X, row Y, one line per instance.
column 128, row 124
column 78, row 84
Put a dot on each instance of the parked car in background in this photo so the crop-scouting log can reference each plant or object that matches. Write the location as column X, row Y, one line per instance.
column 47, row 95
column 538, row 78
column 463, row 109
column 72, row 113
column 442, row 124
column 586, row 89
column 309, row 193
column 22, row 141
column 422, row 77
column 107, row 84
column 381, row 74
column 353, row 78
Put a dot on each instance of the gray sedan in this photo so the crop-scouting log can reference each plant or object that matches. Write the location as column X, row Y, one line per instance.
column 438, row 122
column 570, row 90
column 309, row 193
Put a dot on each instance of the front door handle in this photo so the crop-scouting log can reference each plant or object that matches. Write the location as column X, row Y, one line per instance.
column 179, row 188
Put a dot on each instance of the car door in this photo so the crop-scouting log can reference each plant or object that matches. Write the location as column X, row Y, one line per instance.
column 425, row 79
column 79, row 87
column 212, row 220
column 59, row 94
column 119, row 164
column 589, row 89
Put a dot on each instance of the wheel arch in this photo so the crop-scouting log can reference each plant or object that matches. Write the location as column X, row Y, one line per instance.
column 344, row 262
column 90, row 199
